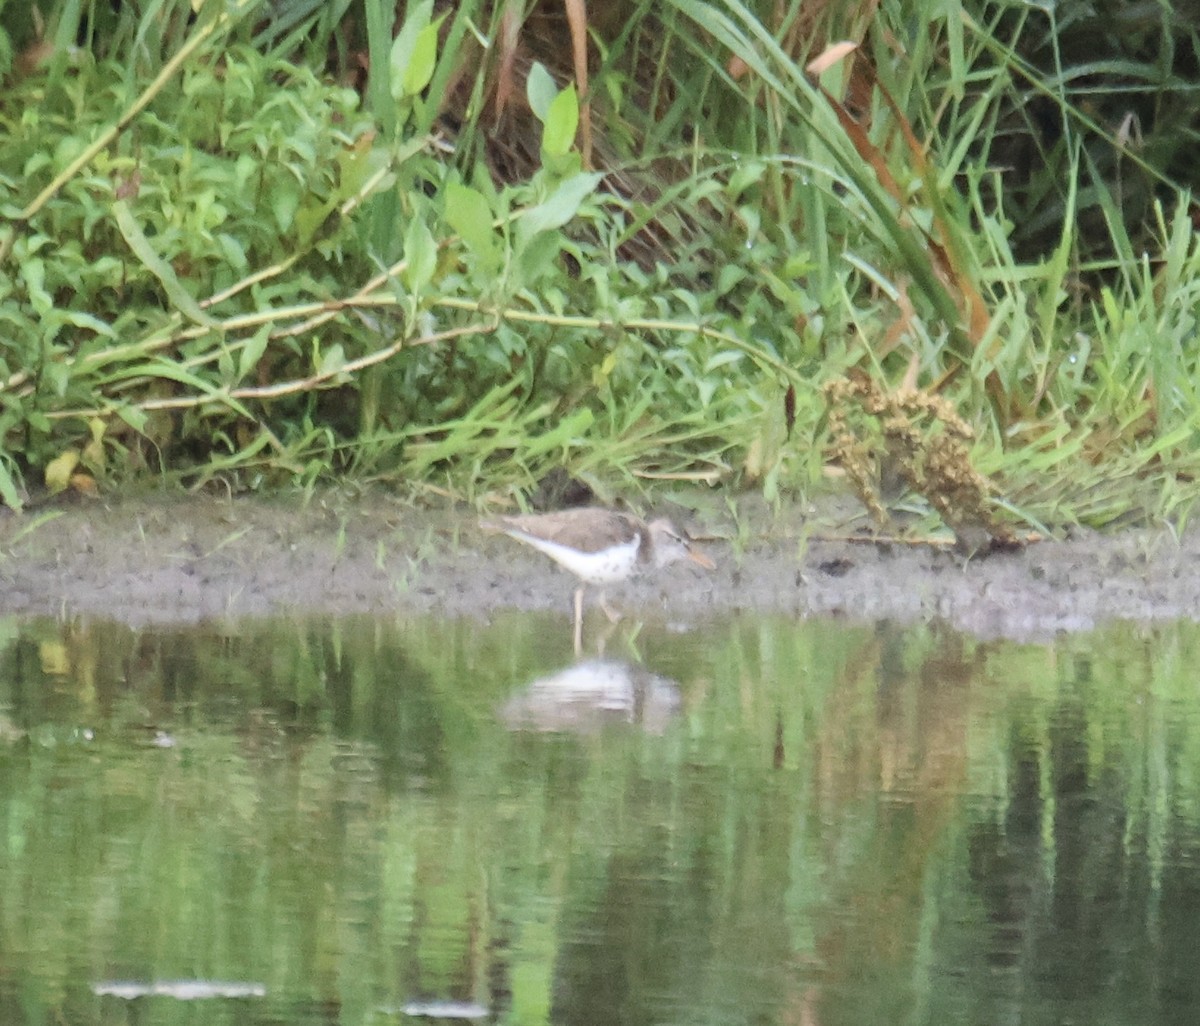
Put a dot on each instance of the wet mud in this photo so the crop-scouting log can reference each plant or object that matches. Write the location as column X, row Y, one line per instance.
column 177, row 560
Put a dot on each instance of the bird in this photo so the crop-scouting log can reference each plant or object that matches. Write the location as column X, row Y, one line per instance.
column 600, row 546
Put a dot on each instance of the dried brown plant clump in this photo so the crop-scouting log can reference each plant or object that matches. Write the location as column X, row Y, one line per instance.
column 917, row 438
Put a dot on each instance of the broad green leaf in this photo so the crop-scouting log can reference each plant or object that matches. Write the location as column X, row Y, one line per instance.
column 8, row 490
column 468, row 213
column 561, row 122
column 420, row 256
column 252, row 351
column 311, row 219
column 566, row 432
column 33, row 271
column 56, row 376
column 233, row 252
column 133, row 416
column 285, row 201
column 731, row 275
column 160, row 367
column 333, row 360
column 405, row 46
column 540, row 90
column 86, row 320
column 744, row 176
column 561, row 205
column 424, row 59
column 724, row 359
column 536, row 256
column 156, row 265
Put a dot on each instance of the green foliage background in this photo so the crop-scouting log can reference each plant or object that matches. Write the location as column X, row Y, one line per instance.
column 298, row 242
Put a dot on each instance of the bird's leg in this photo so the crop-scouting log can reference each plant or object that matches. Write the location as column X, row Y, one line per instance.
column 602, row 641
column 578, row 621
column 613, row 615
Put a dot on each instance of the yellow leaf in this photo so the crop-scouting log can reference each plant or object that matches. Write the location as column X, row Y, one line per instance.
column 754, row 461
column 59, row 470
column 603, row 372
column 93, row 452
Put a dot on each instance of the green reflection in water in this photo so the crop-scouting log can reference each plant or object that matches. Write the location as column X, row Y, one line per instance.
column 760, row 821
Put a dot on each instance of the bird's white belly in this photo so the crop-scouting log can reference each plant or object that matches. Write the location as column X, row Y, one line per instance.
column 613, row 564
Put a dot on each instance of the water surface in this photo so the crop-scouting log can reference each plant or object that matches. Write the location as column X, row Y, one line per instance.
column 751, row 821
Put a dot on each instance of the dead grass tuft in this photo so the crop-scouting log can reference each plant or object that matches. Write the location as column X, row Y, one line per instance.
column 919, row 439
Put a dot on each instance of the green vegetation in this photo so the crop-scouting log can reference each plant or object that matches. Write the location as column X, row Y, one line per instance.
column 286, row 244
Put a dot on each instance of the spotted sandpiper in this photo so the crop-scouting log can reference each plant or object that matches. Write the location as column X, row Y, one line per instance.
column 601, row 546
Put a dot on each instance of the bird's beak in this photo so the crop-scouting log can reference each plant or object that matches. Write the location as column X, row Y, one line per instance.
column 696, row 556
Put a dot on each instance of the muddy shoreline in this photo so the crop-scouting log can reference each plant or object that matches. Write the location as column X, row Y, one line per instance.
column 182, row 560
